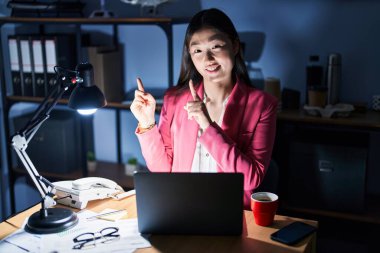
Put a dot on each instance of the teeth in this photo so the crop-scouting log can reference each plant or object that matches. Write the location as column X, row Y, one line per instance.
column 211, row 68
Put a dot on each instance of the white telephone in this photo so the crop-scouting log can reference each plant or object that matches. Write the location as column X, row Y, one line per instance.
column 77, row 193
column 89, row 182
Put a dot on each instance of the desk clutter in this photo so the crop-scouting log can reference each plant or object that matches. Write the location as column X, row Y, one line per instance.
column 330, row 111
column 323, row 83
column 93, row 235
column 110, row 215
column 77, row 193
column 122, row 235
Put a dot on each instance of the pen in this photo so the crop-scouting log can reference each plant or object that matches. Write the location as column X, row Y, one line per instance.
column 18, row 246
column 104, row 214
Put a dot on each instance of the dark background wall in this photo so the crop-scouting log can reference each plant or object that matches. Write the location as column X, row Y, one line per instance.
column 293, row 30
column 290, row 32
column 282, row 36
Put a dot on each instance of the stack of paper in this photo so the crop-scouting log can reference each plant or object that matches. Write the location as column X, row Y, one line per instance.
column 129, row 238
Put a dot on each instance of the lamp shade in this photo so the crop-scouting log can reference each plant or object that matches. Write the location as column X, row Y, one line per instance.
column 86, row 95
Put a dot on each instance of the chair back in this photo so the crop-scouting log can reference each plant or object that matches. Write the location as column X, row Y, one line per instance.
column 271, row 178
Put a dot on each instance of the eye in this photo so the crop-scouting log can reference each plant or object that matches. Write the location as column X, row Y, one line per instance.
column 217, row 47
column 195, row 51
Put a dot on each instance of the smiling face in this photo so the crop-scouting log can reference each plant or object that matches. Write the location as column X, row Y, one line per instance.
column 213, row 55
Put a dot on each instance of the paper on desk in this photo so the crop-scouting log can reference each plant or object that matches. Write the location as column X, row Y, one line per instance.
column 21, row 241
column 130, row 238
column 113, row 217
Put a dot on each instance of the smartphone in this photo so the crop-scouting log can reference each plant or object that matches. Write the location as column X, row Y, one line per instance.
column 293, row 233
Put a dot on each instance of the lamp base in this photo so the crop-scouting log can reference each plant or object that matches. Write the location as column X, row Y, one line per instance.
column 56, row 220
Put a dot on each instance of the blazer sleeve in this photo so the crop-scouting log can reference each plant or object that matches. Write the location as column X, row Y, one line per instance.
column 255, row 159
column 156, row 144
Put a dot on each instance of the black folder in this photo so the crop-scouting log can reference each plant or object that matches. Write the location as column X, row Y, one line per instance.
column 27, row 79
column 33, row 58
column 60, row 50
column 13, row 47
column 38, row 66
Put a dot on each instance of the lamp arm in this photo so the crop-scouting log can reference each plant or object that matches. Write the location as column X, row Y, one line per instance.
column 21, row 140
column 43, row 111
column 35, row 129
column 45, row 187
column 52, row 220
column 18, row 143
column 44, row 102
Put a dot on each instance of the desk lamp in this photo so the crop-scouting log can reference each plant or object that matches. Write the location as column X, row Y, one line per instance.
column 85, row 98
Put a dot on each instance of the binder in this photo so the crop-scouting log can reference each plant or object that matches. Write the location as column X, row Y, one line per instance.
column 15, row 65
column 26, row 77
column 60, row 50
column 51, row 62
column 38, row 67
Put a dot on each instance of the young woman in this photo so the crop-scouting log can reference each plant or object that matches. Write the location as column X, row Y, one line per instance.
column 213, row 120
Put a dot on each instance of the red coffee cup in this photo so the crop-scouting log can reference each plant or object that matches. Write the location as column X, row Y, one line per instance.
column 264, row 206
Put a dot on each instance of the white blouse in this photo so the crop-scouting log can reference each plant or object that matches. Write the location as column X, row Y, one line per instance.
column 203, row 161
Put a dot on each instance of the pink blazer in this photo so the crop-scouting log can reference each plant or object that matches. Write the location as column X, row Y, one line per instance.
column 242, row 144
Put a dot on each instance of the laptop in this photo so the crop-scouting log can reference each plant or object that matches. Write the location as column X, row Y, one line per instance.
column 189, row 203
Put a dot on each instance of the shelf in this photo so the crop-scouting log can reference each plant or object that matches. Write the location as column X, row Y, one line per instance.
column 108, row 170
column 50, row 175
column 14, row 99
column 114, row 21
column 369, row 119
column 110, row 105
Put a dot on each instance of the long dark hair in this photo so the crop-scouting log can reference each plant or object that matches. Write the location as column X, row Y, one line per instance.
column 216, row 19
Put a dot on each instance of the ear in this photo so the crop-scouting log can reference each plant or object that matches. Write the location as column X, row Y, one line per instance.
column 236, row 47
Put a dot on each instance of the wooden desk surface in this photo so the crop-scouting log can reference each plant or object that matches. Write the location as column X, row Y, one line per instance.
column 254, row 238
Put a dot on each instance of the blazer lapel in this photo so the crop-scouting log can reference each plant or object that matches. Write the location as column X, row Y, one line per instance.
column 189, row 132
column 234, row 114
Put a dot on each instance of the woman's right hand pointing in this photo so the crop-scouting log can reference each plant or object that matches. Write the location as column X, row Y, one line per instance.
column 143, row 106
column 197, row 110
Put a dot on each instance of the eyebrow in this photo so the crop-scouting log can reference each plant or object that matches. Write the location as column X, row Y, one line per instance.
column 217, row 36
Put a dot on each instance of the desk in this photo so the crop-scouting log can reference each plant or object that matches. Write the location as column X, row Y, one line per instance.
column 254, row 238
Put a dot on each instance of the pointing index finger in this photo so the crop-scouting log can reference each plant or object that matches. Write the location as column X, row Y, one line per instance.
column 193, row 92
column 140, row 85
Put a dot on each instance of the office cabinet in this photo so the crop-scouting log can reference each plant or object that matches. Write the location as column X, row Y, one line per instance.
column 329, row 166
column 56, row 146
column 328, row 176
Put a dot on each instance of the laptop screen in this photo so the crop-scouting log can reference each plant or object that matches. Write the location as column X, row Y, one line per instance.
column 189, row 203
